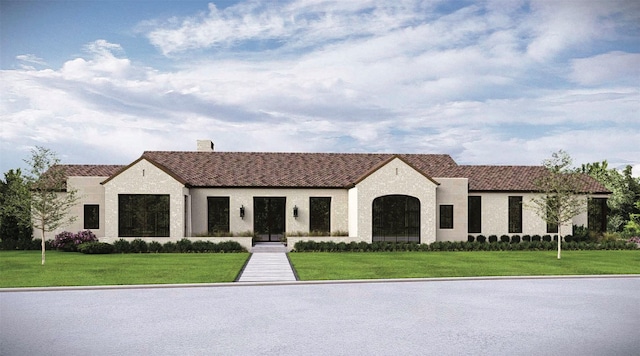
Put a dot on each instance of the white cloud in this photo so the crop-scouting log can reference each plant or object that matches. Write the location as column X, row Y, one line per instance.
column 343, row 76
column 28, row 59
column 607, row 68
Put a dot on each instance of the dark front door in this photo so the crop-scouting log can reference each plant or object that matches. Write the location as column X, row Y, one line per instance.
column 268, row 223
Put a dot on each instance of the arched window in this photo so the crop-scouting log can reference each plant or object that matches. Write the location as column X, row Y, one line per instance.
column 396, row 218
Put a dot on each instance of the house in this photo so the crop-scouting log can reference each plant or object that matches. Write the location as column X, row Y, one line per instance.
column 211, row 195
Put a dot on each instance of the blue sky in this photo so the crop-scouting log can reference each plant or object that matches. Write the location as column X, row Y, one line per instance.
column 488, row 82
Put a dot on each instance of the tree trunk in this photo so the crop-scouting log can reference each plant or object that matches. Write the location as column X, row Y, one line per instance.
column 559, row 240
column 43, row 246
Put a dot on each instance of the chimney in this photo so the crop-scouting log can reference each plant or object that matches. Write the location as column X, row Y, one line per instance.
column 205, row 146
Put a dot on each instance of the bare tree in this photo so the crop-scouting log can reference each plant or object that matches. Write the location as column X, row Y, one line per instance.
column 51, row 198
column 562, row 193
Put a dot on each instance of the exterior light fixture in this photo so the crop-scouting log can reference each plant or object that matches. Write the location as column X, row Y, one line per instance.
column 242, row 212
column 295, row 211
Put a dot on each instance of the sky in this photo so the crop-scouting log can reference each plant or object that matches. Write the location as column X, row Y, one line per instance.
column 488, row 82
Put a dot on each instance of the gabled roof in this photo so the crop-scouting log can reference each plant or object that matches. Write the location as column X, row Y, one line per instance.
column 322, row 170
column 292, row 170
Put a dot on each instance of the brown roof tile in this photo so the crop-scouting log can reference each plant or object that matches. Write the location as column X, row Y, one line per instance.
column 90, row 170
column 262, row 169
column 321, row 170
column 514, row 178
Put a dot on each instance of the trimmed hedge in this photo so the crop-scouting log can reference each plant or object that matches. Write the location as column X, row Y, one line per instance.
column 330, row 246
column 182, row 246
column 95, row 248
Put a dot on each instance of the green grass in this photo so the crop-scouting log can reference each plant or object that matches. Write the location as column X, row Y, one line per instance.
column 376, row 265
column 23, row 268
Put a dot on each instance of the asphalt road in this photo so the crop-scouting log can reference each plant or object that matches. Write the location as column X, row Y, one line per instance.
column 572, row 316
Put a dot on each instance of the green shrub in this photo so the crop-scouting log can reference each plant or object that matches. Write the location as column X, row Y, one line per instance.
column 139, row 246
column 546, row 238
column 121, row 246
column 170, row 247
column 515, row 239
column 505, row 238
column 155, row 247
column 95, row 248
column 526, row 238
column 536, row 238
column 232, row 246
column 493, row 238
column 470, row 238
column 184, row 245
column 568, row 238
column 481, row 238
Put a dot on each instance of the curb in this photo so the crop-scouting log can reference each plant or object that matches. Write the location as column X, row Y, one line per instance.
column 319, row 282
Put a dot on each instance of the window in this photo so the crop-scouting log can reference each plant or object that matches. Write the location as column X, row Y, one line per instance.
column 446, row 216
column 91, row 216
column 396, row 218
column 320, row 215
column 515, row 214
column 552, row 215
column 597, row 214
column 143, row 215
column 217, row 214
column 475, row 214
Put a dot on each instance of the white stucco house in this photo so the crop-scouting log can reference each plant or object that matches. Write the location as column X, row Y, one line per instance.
column 169, row 195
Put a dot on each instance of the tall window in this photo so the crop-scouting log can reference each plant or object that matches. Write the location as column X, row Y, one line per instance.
column 446, row 216
column 396, row 218
column 218, row 214
column 320, row 214
column 515, row 214
column 91, row 216
column 552, row 215
column 597, row 214
column 475, row 214
column 143, row 215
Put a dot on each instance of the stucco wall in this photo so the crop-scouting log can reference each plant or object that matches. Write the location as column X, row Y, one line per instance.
column 495, row 215
column 453, row 191
column 244, row 197
column 145, row 178
column 89, row 191
column 396, row 177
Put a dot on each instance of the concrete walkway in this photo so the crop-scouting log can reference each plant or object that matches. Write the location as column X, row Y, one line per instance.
column 268, row 263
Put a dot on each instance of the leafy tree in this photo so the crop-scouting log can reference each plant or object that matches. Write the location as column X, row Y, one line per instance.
column 561, row 198
column 15, row 216
column 623, row 202
column 51, row 199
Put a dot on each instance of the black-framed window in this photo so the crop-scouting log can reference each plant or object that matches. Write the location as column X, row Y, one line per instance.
column 320, row 214
column 446, row 216
column 597, row 210
column 475, row 214
column 515, row 214
column 218, row 214
column 396, row 218
column 143, row 215
column 91, row 216
column 552, row 217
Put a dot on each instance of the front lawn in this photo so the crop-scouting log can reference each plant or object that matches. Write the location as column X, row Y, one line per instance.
column 376, row 265
column 23, row 268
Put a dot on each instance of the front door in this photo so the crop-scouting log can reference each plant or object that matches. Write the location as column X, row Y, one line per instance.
column 268, row 222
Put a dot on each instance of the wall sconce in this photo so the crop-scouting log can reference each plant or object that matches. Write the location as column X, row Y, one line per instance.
column 242, row 212
column 295, row 211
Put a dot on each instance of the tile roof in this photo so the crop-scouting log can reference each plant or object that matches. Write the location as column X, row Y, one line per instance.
column 322, row 170
column 514, row 178
column 90, row 170
column 263, row 169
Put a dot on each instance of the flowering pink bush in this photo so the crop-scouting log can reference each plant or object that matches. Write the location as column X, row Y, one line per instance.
column 635, row 240
column 69, row 242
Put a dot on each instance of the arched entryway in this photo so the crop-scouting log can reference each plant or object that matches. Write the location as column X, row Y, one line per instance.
column 396, row 218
